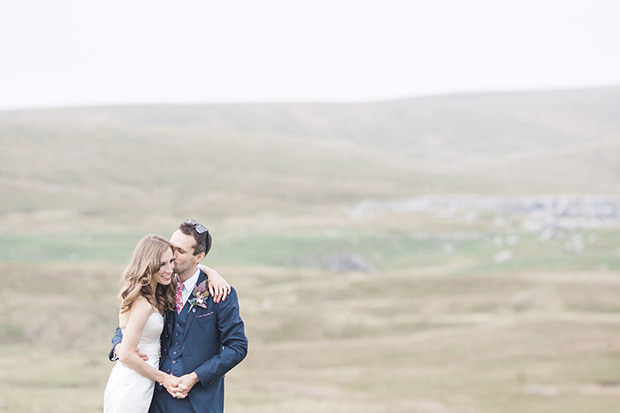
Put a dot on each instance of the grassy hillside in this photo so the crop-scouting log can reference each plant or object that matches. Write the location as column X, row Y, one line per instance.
column 320, row 342
column 117, row 162
column 441, row 254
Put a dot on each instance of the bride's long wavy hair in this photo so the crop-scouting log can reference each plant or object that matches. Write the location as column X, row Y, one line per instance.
column 136, row 280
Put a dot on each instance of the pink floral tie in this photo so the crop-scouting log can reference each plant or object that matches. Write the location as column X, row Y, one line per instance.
column 179, row 297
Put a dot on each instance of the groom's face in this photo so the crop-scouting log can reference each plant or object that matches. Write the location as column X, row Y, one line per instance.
column 184, row 259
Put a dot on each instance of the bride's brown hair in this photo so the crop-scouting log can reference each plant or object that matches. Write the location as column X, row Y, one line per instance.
column 136, row 281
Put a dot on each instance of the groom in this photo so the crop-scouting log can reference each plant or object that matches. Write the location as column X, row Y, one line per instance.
column 199, row 345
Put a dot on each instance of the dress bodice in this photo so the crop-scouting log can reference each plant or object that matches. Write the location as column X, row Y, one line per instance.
column 149, row 341
column 127, row 391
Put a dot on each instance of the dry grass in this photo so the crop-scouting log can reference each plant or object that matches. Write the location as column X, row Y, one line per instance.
column 433, row 322
column 351, row 342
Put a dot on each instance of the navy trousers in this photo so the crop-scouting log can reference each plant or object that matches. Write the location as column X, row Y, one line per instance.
column 163, row 402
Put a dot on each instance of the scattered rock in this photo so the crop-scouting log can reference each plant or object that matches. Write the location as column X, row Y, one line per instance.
column 503, row 256
column 342, row 262
column 347, row 262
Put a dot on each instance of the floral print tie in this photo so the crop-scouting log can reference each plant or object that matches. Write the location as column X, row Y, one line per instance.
column 179, row 297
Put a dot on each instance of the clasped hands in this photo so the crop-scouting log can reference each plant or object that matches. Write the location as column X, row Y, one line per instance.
column 179, row 387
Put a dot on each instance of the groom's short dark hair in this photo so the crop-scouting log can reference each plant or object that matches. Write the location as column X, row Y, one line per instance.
column 203, row 240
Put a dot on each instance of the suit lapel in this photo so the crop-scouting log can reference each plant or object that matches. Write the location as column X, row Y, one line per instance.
column 191, row 313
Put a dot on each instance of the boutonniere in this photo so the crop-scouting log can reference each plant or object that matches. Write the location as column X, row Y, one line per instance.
column 200, row 295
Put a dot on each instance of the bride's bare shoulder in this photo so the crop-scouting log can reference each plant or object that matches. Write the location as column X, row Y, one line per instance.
column 139, row 308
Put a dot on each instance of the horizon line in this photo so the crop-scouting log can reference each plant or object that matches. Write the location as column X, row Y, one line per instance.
column 326, row 101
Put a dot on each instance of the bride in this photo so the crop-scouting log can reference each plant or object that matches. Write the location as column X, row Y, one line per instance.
column 147, row 291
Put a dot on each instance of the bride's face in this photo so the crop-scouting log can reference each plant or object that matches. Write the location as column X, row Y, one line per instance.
column 166, row 268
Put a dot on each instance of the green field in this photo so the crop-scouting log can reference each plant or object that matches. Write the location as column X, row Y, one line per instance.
column 455, row 308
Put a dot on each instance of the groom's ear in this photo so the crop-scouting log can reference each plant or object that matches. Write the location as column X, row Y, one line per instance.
column 199, row 257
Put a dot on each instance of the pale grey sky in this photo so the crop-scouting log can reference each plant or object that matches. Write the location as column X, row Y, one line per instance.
column 87, row 52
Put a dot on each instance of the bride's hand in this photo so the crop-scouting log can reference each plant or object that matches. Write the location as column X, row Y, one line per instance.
column 174, row 386
column 218, row 286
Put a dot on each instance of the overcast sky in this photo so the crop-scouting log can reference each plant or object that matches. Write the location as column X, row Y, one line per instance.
column 87, row 52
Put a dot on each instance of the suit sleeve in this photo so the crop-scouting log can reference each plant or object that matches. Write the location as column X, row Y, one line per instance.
column 118, row 337
column 233, row 339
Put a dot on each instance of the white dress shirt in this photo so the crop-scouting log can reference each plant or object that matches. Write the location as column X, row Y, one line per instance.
column 188, row 286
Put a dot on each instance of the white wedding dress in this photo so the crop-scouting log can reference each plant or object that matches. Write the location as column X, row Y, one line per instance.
column 128, row 391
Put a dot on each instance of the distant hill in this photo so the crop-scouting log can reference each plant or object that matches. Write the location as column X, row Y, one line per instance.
column 385, row 254
column 300, row 158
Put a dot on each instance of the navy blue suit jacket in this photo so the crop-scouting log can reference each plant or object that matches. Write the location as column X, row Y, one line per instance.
column 214, row 343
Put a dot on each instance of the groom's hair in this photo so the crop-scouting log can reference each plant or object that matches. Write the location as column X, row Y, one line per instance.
column 203, row 240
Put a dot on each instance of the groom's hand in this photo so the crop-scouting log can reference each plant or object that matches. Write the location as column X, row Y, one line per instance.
column 188, row 381
column 175, row 387
column 142, row 355
column 178, row 392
